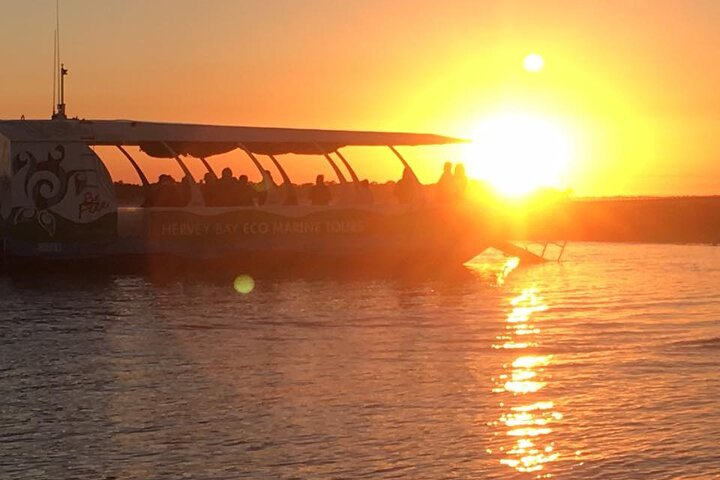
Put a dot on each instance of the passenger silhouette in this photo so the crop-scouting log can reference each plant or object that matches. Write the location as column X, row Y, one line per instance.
column 184, row 190
column 405, row 189
column 209, row 189
column 320, row 193
column 365, row 195
column 245, row 193
column 263, row 187
column 226, row 191
column 164, row 193
column 446, row 185
column 291, row 197
column 460, row 181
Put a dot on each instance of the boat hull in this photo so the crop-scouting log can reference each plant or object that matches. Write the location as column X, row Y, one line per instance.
column 267, row 239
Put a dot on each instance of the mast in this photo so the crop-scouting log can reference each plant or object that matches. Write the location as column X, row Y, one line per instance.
column 61, row 106
column 54, row 70
column 59, row 71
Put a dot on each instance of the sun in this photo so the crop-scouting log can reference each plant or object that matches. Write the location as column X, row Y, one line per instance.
column 533, row 63
column 519, row 153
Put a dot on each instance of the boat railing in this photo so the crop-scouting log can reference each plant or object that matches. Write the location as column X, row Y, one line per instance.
column 548, row 250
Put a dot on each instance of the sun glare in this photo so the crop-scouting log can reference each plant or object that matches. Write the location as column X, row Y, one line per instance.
column 519, row 153
column 533, row 63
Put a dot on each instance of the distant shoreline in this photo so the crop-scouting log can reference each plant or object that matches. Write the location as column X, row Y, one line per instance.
column 647, row 219
column 642, row 197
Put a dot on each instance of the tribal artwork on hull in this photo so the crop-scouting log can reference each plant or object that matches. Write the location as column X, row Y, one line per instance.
column 62, row 197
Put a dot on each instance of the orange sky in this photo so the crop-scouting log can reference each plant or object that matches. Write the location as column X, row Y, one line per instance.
column 632, row 84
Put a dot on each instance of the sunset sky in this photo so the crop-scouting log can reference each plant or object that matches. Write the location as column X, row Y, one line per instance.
column 631, row 89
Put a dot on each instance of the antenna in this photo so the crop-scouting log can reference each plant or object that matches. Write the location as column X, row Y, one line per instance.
column 60, row 70
column 55, row 69
column 61, row 105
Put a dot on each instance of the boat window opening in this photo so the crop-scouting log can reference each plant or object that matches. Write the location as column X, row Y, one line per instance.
column 127, row 163
column 268, row 190
column 255, row 161
column 196, row 198
column 360, row 192
column 418, row 194
column 347, row 190
column 208, row 167
column 336, row 169
column 404, row 162
column 284, row 191
column 143, row 178
column 283, row 174
column 136, row 166
column 288, row 187
column 338, row 172
column 349, row 168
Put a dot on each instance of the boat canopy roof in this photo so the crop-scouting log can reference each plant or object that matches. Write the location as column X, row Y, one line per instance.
column 206, row 140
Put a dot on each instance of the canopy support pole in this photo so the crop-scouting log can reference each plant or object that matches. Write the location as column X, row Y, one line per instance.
column 267, row 180
column 256, row 162
column 209, row 168
column 404, row 162
column 353, row 175
column 321, row 151
column 135, row 165
column 290, row 196
column 195, row 195
column 286, row 179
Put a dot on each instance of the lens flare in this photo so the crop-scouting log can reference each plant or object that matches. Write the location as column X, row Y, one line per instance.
column 244, row 284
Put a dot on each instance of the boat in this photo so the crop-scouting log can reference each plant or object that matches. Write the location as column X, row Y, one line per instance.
column 58, row 207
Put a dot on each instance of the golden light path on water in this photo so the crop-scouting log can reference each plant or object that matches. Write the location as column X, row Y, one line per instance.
column 523, row 431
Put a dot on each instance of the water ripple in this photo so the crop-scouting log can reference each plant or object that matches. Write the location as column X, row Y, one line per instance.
column 604, row 366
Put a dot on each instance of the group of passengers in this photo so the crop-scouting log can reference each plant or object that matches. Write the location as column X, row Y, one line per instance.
column 228, row 191
column 168, row 193
column 320, row 193
column 452, row 183
column 450, row 187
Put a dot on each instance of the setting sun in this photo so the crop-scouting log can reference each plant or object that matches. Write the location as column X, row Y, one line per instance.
column 533, row 63
column 519, row 153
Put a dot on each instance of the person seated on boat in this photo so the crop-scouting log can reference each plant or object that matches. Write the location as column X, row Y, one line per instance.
column 320, row 193
column 365, row 195
column 291, row 197
column 406, row 187
column 245, row 194
column 209, row 188
column 227, row 189
column 460, row 181
column 152, row 193
column 446, row 184
column 184, row 190
column 263, row 187
column 164, row 193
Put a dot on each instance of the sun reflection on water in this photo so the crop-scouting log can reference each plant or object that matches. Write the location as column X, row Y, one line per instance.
column 510, row 264
column 525, row 426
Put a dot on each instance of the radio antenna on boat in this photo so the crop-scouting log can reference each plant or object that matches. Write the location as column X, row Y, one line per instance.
column 54, row 88
column 59, row 72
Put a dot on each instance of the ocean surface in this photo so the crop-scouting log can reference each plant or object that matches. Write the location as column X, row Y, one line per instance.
column 604, row 366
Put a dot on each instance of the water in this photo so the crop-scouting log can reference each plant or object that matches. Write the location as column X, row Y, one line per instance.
column 604, row 366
